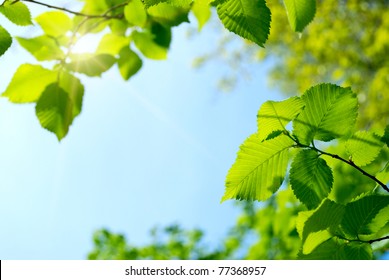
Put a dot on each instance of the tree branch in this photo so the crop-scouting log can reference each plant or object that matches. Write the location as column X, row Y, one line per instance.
column 349, row 162
column 378, row 239
column 105, row 15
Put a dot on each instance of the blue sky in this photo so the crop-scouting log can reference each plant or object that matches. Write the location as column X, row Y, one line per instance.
column 151, row 151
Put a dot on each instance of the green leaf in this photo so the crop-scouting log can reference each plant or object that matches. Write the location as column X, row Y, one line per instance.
column 54, row 110
column 149, row 48
column 259, row 169
column 300, row 13
column 385, row 138
column 112, row 44
column 310, row 177
column 249, row 19
column 383, row 175
column 363, row 147
column 177, row 3
column 18, row 13
column 169, row 15
column 129, row 63
column 42, row 47
column 328, row 214
column 74, row 89
column 28, row 83
column 337, row 249
column 5, row 40
column 366, row 216
column 330, row 112
column 54, row 23
column 274, row 116
column 91, row 65
column 202, row 11
column 135, row 13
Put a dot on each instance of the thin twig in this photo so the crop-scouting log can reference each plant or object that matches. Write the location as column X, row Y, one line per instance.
column 105, row 15
column 349, row 162
column 378, row 239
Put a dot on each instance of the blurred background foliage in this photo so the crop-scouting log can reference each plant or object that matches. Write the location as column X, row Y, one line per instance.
column 348, row 44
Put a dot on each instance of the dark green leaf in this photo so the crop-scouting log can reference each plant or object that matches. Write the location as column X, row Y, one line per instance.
column 366, row 216
column 311, row 178
column 5, row 40
column 54, row 110
column 249, row 19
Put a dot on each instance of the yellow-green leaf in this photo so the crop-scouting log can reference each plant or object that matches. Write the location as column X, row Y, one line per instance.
column 91, row 65
column 135, row 13
column 18, row 12
column 300, row 13
column 54, row 23
column 129, row 63
column 112, row 44
column 149, row 48
column 42, row 47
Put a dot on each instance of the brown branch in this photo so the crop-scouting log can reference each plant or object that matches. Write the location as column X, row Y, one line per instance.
column 105, row 15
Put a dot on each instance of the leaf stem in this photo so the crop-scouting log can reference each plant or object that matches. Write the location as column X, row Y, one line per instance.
column 349, row 162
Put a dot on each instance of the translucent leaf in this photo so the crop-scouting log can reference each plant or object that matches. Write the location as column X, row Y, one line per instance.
column 315, row 239
column 337, row 249
column 249, row 19
column 363, row 147
column 54, row 23
column 259, row 169
column 300, row 13
column 18, row 13
column 28, row 83
column 54, row 110
column 385, row 138
column 5, row 40
column 42, row 47
column 145, row 43
column 383, row 175
column 274, row 116
column 328, row 214
column 311, row 178
column 91, row 65
column 135, row 13
column 366, row 216
column 129, row 63
column 169, row 15
column 202, row 11
column 74, row 89
column 330, row 112
column 177, row 3
column 112, row 44
column 300, row 221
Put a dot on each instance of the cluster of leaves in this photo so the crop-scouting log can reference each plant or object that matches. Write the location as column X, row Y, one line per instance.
column 129, row 30
column 328, row 229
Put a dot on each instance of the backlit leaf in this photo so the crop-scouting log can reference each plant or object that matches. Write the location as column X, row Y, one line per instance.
column 42, row 47
column 274, row 116
column 310, row 177
column 145, row 43
column 54, row 110
column 135, row 13
column 177, row 3
column 28, row 83
column 337, row 249
column 112, row 44
column 363, row 147
column 74, row 89
column 169, row 15
column 383, row 175
column 5, row 40
column 129, row 63
column 259, row 169
column 249, row 19
column 202, row 11
column 54, row 23
column 300, row 13
column 330, row 112
column 18, row 13
column 91, row 65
